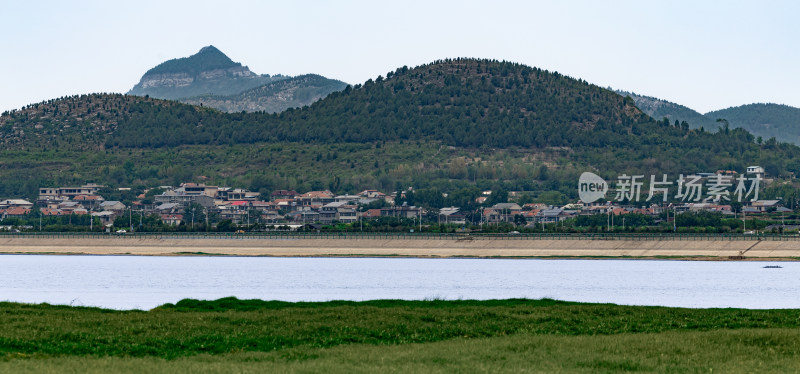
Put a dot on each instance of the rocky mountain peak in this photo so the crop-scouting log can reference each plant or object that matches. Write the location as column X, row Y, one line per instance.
column 208, row 71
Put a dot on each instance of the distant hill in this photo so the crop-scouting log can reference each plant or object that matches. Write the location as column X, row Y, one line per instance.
column 659, row 109
column 229, row 86
column 765, row 120
column 273, row 97
column 208, row 72
column 762, row 120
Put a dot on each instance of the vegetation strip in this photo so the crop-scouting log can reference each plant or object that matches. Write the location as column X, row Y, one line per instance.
column 229, row 325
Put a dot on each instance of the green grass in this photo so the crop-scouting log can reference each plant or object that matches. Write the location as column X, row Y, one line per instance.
column 389, row 335
column 729, row 351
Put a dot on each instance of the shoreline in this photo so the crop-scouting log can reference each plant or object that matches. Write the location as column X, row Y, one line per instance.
column 663, row 248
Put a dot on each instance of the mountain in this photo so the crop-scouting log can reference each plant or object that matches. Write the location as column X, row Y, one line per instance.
column 449, row 125
column 209, row 71
column 273, row 97
column 762, row 120
column 211, row 78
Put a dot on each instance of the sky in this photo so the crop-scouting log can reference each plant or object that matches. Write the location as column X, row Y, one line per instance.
column 707, row 55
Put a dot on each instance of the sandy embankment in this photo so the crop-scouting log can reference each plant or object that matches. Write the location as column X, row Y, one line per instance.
column 480, row 247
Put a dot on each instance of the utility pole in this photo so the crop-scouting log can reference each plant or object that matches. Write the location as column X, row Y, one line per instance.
column 130, row 218
column 674, row 219
column 744, row 221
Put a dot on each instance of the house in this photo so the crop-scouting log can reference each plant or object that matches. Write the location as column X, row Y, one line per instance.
column 51, row 212
column 373, row 194
column 260, row 205
column 402, row 211
column 532, row 206
column 303, row 216
column 757, row 171
column 452, row 215
column 16, row 212
column 651, row 211
column 238, row 216
column 16, row 203
column 617, row 211
column 554, row 215
column 197, row 189
column 315, row 198
column 371, row 213
column 230, row 194
column 106, row 217
column 530, row 215
column 349, row 199
column 239, row 205
column 491, row 216
column 69, row 206
column 184, row 199
column 765, row 205
column 168, row 208
column 347, row 214
column 708, row 207
column 114, row 206
column 329, row 212
column 89, row 201
column 506, row 211
column 750, row 209
column 67, row 193
column 283, row 194
column 270, row 216
column 171, row 219
column 286, row 205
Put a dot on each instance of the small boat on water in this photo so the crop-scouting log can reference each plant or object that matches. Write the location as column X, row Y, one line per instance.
column 773, row 267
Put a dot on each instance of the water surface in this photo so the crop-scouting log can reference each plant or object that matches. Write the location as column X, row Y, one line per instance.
column 143, row 282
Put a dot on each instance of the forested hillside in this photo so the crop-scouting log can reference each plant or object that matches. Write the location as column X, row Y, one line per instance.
column 448, row 125
column 764, row 120
column 75, row 122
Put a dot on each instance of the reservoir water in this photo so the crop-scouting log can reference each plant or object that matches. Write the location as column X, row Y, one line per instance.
column 141, row 282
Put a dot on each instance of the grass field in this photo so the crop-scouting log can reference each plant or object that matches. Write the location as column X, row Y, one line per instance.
column 230, row 335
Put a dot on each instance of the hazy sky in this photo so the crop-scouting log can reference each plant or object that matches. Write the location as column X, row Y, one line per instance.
column 703, row 54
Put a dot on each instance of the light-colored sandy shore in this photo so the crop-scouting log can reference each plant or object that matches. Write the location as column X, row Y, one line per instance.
column 484, row 247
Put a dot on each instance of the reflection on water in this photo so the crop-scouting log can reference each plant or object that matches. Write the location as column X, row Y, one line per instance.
column 138, row 282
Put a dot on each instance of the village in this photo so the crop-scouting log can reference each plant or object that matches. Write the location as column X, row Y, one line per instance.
column 193, row 204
